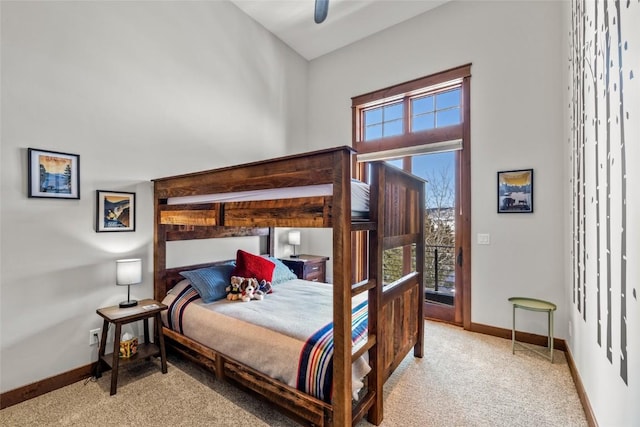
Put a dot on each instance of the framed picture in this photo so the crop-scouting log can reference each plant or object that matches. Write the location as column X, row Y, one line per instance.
column 53, row 175
column 515, row 191
column 115, row 211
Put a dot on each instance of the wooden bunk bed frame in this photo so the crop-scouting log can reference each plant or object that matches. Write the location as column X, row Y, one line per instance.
column 396, row 219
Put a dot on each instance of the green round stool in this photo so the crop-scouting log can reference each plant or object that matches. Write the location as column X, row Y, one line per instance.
column 533, row 304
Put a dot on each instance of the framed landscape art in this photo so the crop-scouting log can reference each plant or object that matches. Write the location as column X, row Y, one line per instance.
column 53, row 175
column 115, row 211
column 515, row 191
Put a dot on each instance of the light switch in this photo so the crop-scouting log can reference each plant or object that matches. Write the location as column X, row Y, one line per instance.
column 484, row 239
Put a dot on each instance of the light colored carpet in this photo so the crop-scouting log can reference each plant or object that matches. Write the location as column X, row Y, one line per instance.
column 465, row 379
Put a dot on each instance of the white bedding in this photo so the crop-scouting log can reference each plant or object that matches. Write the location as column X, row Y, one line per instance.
column 266, row 335
column 359, row 195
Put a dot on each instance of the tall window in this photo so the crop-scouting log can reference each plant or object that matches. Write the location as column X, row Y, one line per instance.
column 406, row 125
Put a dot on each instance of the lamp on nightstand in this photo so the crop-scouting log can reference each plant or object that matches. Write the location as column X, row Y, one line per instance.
column 294, row 240
column 128, row 272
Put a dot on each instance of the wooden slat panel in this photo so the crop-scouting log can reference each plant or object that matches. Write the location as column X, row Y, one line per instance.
column 400, row 240
column 371, row 341
column 401, row 328
column 197, row 218
column 363, row 226
column 298, row 403
column 303, row 406
column 363, row 286
column 363, row 406
column 214, row 232
column 301, row 212
column 206, row 214
column 289, row 171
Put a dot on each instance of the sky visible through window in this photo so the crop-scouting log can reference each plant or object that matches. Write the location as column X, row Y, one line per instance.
column 429, row 166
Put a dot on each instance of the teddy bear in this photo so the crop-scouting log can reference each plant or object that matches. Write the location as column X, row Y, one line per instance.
column 234, row 290
column 265, row 287
column 250, row 290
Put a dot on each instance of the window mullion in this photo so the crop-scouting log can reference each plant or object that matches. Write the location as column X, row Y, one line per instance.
column 407, row 116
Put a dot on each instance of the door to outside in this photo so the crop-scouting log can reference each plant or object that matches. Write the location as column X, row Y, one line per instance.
column 444, row 254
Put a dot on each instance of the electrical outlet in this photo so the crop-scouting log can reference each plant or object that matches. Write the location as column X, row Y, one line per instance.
column 484, row 239
column 94, row 336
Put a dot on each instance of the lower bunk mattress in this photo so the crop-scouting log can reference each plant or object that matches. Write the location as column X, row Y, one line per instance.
column 287, row 336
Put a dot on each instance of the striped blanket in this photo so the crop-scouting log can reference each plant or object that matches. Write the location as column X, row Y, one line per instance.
column 277, row 336
column 177, row 307
column 315, row 369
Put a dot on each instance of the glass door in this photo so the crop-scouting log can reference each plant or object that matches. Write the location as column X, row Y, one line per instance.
column 443, row 254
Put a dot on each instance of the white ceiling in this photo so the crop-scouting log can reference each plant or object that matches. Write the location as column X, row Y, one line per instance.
column 348, row 20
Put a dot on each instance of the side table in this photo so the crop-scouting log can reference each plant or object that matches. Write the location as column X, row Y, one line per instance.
column 308, row 267
column 145, row 310
column 533, row 304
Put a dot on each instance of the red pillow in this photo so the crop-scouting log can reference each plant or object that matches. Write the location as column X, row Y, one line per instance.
column 249, row 265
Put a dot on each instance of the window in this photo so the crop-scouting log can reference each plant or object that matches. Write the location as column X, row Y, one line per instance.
column 384, row 121
column 411, row 125
column 435, row 110
column 427, row 110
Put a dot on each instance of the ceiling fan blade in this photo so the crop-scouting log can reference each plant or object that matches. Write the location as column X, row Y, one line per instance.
column 322, row 10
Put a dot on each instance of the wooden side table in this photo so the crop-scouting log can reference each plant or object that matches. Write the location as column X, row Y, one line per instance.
column 533, row 304
column 308, row 267
column 145, row 310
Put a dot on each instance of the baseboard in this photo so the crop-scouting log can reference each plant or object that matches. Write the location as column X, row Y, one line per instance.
column 38, row 388
column 541, row 340
column 582, row 394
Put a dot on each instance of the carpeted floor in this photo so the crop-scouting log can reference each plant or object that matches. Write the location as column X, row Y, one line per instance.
column 465, row 379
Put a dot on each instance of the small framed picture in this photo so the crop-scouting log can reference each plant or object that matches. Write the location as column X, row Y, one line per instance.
column 115, row 211
column 515, row 191
column 53, row 175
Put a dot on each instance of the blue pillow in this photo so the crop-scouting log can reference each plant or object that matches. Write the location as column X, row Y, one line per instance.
column 210, row 282
column 281, row 273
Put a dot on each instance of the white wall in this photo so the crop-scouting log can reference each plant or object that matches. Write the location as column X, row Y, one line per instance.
column 516, row 122
column 140, row 90
column 605, row 313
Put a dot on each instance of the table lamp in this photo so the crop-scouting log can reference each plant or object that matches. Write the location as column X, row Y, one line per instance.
column 294, row 240
column 128, row 272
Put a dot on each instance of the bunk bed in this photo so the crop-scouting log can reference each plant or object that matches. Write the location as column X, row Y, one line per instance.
column 184, row 211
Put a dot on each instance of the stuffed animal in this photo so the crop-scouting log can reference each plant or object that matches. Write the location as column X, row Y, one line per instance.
column 234, row 290
column 265, row 287
column 250, row 290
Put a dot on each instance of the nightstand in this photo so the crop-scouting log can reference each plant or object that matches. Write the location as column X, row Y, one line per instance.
column 308, row 267
column 146, row 309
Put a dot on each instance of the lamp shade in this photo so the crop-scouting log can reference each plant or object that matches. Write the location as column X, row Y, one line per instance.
column 128, row 272
column 294, row 237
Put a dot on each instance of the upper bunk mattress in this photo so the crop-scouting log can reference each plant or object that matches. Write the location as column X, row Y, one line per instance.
column 359, row 196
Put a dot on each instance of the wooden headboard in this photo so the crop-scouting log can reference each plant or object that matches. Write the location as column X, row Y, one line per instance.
column 172, row 275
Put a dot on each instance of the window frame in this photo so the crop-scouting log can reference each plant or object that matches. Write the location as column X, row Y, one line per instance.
column 405, row 92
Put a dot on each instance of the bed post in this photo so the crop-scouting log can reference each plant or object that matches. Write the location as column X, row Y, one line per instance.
column 341, row 214
column 418, row 349
column 159, row 253
column 376, row 324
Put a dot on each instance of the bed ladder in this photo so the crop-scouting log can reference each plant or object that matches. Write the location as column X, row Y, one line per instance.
column 370, row 405
column 369, row 402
